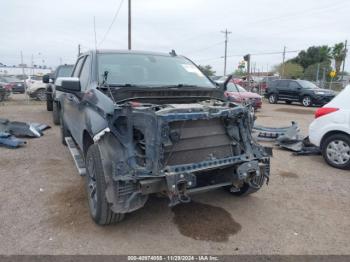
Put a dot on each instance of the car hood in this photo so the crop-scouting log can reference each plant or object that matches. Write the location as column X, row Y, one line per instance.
column 325, row 91
column 243, row 94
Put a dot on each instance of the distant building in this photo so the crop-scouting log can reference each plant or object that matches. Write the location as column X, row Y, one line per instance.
column 7, row 70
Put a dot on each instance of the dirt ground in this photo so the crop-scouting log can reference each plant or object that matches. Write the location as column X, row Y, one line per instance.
column 43, row 209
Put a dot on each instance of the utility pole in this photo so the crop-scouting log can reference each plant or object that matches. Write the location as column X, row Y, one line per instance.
column 318, row 72
column 129, row 24
column 226, row 39
column 284, row 57
column 95, row 33
column 78, row 50
column 345, row 50
column 324, row 77
column 25, row 85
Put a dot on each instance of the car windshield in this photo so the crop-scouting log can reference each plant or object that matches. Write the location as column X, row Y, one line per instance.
column 65, row 71
column 232, row 87
column 150, row 70
column 307, row 85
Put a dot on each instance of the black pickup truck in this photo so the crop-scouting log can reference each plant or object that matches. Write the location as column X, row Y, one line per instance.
column 52, row 96
column 148, row 123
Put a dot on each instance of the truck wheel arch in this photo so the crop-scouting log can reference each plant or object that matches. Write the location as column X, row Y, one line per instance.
column 87, row 142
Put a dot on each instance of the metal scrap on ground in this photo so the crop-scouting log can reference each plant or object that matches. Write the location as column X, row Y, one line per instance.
column 288, row 138
column 9, row 131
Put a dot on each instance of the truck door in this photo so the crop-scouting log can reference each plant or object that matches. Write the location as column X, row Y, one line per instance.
column 70, row 103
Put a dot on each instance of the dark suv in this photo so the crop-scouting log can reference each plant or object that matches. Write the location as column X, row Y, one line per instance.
column 149, row 123
column 300, row 91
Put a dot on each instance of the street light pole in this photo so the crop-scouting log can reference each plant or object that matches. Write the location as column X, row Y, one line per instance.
column 129, row 24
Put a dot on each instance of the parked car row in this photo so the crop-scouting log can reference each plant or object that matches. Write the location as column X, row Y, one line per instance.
column 13, row 83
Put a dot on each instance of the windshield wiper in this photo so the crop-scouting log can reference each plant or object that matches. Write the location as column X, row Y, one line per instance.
column 182, row 86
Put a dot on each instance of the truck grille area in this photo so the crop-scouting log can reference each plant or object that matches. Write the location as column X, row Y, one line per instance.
column 197, row 140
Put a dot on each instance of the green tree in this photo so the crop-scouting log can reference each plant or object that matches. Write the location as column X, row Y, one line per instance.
column 290, row 70
column 338, row 54
column 207, row 70
column 313, row 55
column 310, row 73
column 239, row 73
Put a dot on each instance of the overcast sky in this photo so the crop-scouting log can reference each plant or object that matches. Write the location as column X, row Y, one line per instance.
column 52, row 29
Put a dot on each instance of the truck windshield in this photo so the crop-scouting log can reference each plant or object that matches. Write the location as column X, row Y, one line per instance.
column 150, row 70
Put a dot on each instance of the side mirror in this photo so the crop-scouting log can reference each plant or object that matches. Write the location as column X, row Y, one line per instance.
column 68, row 84
column 46, row 79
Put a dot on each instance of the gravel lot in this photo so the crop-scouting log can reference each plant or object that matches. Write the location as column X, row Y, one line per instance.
column 43, row 208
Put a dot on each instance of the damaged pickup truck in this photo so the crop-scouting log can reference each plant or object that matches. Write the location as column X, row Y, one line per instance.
column 152, row 123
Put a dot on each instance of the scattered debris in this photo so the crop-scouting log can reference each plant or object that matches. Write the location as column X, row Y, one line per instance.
column 10, row 141
column 9, row 131
column 263, row 133
column 22, row 129
column 287, row 138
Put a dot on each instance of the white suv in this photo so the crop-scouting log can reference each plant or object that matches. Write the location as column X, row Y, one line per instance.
column 36, row 88
column 331, row 130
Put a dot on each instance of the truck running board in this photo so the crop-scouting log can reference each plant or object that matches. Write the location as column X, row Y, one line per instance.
column 78, row 160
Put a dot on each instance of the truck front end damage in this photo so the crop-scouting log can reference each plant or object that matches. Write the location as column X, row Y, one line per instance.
column 179, row 150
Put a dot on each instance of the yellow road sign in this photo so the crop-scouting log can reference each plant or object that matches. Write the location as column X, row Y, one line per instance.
column 332, row 74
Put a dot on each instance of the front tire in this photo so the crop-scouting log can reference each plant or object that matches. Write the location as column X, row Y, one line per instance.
column 336, row 151
column 306, row 101
column 56, row 113
column 273, row 99
column 245, row 190
column 100, row 210
column 41, row 95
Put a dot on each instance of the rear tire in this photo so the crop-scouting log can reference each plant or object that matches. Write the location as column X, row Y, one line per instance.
column 100, row 210
column 49, row 105
column 288, row 102
column 336, row 151
column 273, row 99
column 56, row 113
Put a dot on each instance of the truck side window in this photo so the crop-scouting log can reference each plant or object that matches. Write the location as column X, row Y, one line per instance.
column 85, row 73
column 77, row 67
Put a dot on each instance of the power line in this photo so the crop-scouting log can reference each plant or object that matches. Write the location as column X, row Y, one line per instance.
column 113, row 20
column 205, row 48
column 290, row 16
